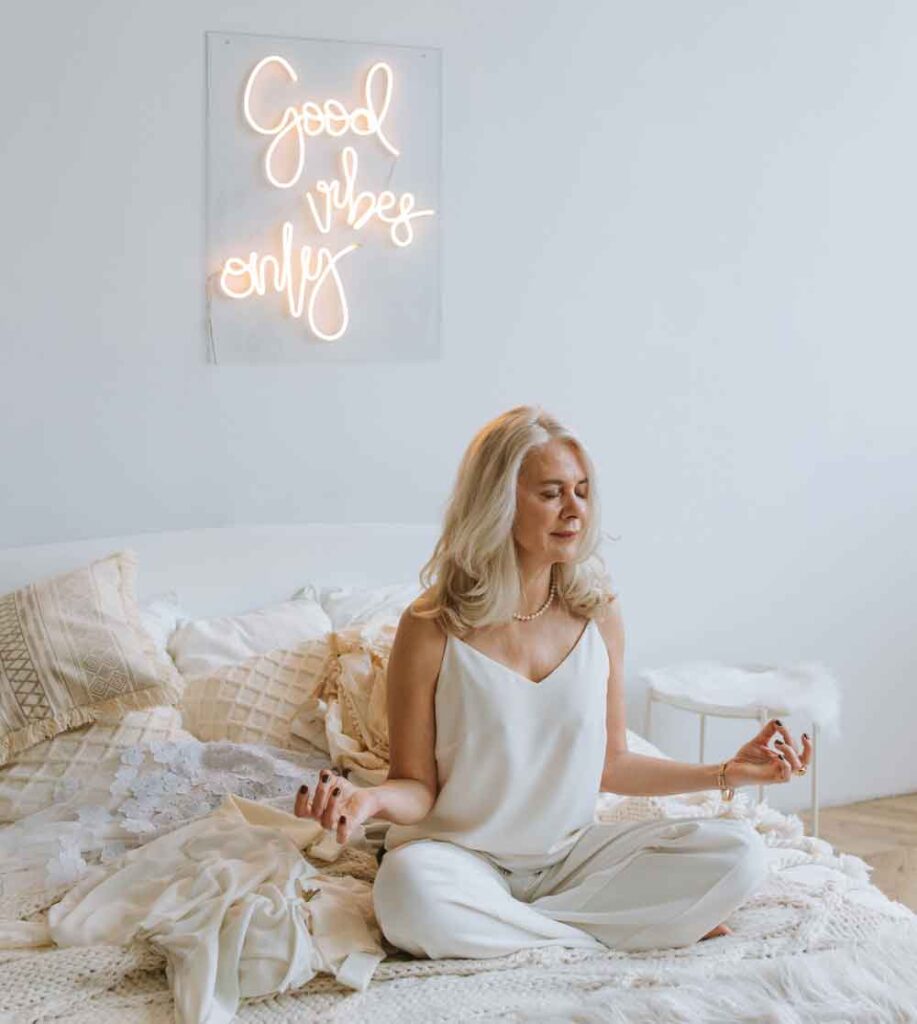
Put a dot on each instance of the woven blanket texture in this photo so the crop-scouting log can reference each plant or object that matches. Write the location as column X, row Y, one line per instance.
column 818, row 942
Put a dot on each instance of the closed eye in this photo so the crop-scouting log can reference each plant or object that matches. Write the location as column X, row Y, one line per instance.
column 556, row 494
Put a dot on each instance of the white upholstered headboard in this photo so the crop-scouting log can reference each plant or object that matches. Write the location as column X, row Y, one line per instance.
column 221, row 570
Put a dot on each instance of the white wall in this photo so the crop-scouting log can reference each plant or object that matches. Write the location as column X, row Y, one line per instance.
column 687, row 228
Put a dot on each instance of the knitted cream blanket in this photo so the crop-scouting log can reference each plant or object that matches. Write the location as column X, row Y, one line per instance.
column 817, row 942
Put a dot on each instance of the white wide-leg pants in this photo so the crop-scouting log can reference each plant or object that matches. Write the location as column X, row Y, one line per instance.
column 628, row 886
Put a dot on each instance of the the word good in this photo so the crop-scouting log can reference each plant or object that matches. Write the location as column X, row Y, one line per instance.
column 328, row 118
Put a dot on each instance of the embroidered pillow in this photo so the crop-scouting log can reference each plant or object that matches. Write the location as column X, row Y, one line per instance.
column 72, row 647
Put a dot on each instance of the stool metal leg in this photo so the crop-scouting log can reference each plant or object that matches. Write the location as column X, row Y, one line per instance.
column 814, row 770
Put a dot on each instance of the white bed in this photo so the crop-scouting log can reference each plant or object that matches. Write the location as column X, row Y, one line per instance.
column 819, row 942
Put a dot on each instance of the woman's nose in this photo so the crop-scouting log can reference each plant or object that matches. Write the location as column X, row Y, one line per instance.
column 574, row 505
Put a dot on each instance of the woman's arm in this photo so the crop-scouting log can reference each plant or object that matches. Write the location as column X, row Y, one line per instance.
column 639, row 775
column 410, row 790
column 401, row 801
column 636, row 774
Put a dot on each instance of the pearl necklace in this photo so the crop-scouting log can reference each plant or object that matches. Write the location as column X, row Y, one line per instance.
column 544, row 607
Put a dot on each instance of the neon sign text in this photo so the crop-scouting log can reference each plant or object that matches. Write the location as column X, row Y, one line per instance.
column 318, row 267
column 330, row 118
column 361, row 207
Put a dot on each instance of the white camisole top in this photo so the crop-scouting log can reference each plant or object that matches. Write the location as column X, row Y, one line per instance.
column 519, row 763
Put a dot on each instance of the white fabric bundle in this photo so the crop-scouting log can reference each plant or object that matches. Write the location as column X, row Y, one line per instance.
column 236, row 908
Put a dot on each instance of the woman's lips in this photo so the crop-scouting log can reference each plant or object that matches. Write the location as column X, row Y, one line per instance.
column 565, row 536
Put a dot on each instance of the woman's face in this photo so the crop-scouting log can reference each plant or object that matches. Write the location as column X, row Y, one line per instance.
column 552, row 496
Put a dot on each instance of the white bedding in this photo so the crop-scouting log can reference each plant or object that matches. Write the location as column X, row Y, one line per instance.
column 817, row 915
column 818, row 942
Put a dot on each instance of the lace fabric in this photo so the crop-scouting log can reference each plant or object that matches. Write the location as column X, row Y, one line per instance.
column 150, row 789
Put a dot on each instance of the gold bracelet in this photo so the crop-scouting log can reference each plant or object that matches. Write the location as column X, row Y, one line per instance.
column 727, row 791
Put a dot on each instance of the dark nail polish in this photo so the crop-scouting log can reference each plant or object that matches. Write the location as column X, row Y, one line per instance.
column 335, row 791
column 325, row 776
column 805, row 735
column 303, row 789
column 777, row 720
column 342, row 820
column 778, row 740
column 782, row 758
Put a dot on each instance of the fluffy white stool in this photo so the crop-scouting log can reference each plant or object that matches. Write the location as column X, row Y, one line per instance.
column 759, row 692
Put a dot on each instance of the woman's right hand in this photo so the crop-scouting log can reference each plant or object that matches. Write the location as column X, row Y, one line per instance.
column 759, row 764
column 337, row 804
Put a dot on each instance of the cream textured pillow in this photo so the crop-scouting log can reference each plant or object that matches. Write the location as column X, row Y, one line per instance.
column 71, row 648
column 254, row 702
column 359, row 606
column 53, row 770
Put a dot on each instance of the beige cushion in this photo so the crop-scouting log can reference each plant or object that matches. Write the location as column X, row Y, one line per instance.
column 345, row 714
column 53, row 770
column 254, row 701
column 71, row 648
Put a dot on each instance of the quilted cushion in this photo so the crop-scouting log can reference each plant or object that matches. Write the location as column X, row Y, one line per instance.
column 254, row 701
column 53, row 770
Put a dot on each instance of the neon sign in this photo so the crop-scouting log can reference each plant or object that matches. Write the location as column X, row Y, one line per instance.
column 309, row 267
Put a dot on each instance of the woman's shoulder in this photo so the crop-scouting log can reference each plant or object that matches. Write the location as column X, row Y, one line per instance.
column 422, row 603
column 418, row 647
column 610, row 624
column 420, row 623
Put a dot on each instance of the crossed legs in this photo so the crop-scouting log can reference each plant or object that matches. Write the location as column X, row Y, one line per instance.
column 631, row 886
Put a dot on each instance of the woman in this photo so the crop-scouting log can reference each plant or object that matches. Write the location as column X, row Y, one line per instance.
column 506, row 718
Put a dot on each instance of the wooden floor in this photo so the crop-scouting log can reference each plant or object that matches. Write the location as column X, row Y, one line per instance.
column 882, row 832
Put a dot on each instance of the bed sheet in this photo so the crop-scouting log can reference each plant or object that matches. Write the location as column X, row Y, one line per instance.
column 817, row 930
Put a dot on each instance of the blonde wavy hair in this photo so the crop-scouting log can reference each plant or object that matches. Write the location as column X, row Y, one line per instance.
column 472, row 578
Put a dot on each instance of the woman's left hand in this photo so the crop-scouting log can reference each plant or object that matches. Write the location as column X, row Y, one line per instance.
column 758, row 764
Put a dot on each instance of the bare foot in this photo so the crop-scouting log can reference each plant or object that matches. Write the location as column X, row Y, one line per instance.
column 721, row 929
